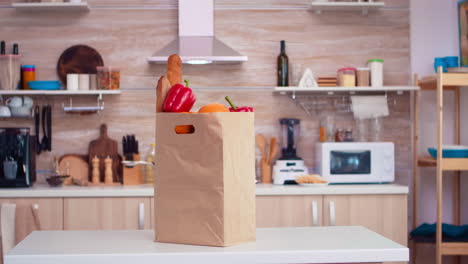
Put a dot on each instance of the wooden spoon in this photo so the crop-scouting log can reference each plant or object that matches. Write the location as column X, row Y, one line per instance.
column 273, row 150
column 262, row 143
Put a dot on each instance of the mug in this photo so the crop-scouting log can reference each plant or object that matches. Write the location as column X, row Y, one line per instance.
column 14, row 101
column 10, row 168
column 4, row 111
column 28, row 102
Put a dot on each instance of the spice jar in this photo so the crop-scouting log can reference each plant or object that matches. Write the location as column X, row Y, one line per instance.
column 108, row 78
column 347, row 77
column 348, row 135
column 376, row 72
column 363, row 77
column 28, row 75
column 339, row 135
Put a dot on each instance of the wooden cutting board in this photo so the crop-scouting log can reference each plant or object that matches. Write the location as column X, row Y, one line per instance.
column 104, row 147
column 75, row 166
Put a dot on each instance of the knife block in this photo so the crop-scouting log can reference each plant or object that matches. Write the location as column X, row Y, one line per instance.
column 133, row 175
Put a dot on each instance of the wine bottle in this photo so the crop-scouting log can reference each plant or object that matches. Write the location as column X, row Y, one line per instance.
column 2, row 48
column 15, row 49
column 283, row 66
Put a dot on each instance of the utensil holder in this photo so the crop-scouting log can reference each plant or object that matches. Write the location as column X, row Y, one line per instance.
column 133, row 175
column 266, row 172
column 10, row 71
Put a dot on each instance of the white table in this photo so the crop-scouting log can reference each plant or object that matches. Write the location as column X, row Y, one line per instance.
column 273, row 245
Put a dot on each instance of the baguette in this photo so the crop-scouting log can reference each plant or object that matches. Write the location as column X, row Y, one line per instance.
column 161, row 92
column 174, row 69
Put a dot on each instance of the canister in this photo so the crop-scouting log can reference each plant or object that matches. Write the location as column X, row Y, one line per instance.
column 108, row 78
column 72, row 81
column 29, row 75
column 363, row 77
column 347, row 77
column 376, row 72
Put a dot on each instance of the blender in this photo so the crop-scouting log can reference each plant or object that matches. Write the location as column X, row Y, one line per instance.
column 289, row 166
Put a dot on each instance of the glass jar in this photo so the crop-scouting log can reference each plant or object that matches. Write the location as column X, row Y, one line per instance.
column 108, row 78
column 327, row 129
column 362, row 127
column 347, row 77
column 363, row 77
column 10, row 71
column 339, row 135
column 376, row 129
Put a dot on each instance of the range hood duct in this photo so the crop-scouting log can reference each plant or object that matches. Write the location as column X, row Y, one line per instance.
column 196, row 43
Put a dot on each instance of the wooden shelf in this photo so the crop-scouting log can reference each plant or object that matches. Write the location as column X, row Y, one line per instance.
column 448, row 164
column 51, row 7
column 456, row 80
column 58, row 92
column 346, row 89
column 455, row 248
column 364, row 7
column 427, row 161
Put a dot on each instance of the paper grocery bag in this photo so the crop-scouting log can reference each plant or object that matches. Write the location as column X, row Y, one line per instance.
column 205, row 181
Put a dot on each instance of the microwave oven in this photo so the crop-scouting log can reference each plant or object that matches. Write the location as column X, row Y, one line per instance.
column 356, row 162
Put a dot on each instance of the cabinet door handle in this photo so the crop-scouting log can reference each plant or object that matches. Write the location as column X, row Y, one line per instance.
column 331, row 207
column 141, row 216
column 315, row 213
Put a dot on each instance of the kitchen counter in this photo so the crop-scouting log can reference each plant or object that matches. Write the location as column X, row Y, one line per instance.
column 44, row 191
column 350, row 244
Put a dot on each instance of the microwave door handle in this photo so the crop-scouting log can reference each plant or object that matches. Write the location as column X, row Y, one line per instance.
column 331, row 207
column 315, row 213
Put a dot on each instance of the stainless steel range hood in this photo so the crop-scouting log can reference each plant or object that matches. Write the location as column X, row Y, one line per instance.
column 196, row 43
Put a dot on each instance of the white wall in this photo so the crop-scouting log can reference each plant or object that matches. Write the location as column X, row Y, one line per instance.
column 434, row 33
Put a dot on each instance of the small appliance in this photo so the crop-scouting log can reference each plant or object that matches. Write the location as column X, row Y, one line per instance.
column 17, row 158
column 289, row 165
column 356, row 162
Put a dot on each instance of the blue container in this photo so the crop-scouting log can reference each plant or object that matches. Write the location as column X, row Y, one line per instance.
column 440, row 62
column 449, row 153
column 44, row 85
column 451, row 61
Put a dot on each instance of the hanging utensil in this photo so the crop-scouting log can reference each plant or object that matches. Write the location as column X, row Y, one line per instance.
column 37, row 112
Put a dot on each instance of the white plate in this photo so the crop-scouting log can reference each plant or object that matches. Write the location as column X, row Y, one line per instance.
column 314, row 184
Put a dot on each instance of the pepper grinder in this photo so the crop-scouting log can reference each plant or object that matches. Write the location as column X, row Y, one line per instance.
column 108, row 171
column 96, row 177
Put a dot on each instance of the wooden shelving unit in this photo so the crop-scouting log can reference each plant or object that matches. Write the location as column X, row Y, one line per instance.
column 364, row 7
column 51, row 7
column 441, row 83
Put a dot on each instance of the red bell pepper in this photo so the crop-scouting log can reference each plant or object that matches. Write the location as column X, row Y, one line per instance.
column 238, row 109
column 180, row 98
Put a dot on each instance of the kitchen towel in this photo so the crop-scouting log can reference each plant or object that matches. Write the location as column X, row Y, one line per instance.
column 7, row 227
column 205, row 187
column 365, row 107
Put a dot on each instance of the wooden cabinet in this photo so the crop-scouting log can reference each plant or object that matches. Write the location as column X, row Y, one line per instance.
column 284, row 211
column 49, row 212
column 384, row 214
column 107, row 213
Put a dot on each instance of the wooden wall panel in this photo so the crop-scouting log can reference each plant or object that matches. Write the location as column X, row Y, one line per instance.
column 126, row 37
